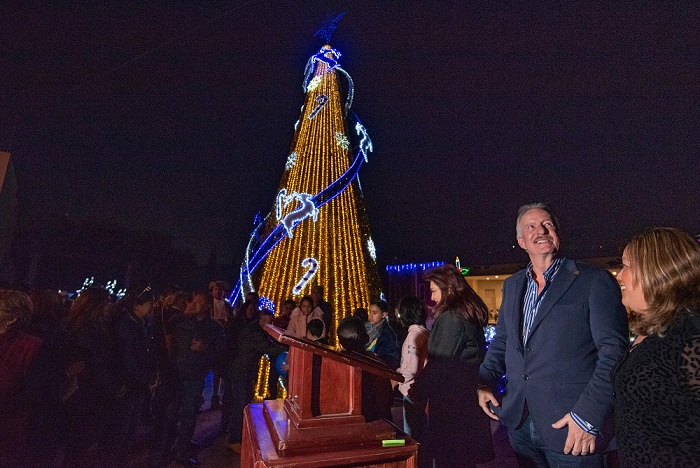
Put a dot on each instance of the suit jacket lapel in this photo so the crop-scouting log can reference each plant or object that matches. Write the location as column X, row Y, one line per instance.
column 561, row 282
column 516, row 304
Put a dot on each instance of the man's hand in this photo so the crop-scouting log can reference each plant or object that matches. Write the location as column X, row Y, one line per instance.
column 485, row 397
column 578, row 441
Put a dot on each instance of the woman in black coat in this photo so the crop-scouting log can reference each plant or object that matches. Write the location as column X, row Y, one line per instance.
column 657, row 381
column 139, row 375
column 459, row 433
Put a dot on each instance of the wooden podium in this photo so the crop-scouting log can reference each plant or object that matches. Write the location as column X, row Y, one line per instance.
column 320, row 423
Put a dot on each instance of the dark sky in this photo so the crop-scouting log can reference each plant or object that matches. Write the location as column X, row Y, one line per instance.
column 178, row 116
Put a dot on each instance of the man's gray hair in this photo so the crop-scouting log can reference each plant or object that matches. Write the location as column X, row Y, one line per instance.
column 533, row 206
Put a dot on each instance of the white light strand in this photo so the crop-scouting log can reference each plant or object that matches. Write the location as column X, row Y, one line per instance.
column 365, row 142
column 371, row 249
column 351, row 90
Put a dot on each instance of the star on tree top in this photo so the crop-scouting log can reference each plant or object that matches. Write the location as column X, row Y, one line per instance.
column 328, row 26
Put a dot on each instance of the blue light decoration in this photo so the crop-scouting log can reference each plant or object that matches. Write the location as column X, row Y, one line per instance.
column 327, row 55
column 328, row 27
column 259, row 248
column 304, row 210
column 312, row 267
column 414, row 266
column 265, row 303
column 489, row 333
column 321, row 99
column 111, row 287
column 244, row 276
column 330, row 57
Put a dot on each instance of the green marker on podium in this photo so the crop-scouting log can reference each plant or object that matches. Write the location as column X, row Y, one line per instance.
column 393, row 443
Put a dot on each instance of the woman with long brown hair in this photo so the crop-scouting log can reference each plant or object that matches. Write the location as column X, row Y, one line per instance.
column 657, row 381
column 459, row 434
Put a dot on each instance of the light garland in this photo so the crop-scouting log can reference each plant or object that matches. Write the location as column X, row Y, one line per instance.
column 414, row 266
column 261, row 383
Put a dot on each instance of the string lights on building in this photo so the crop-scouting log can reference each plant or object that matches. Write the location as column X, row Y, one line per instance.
column 414, row 266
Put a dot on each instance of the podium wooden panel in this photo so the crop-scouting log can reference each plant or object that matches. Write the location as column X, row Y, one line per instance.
column 320, row 423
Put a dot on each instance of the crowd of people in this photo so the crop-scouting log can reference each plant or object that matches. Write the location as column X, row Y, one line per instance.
column 77, row 378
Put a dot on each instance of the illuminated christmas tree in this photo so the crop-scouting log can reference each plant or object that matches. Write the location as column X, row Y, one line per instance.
column 317, row 231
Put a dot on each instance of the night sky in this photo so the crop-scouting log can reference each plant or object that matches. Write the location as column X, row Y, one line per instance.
column 179, row 117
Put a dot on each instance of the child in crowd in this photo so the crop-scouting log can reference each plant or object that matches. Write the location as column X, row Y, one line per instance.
column 362, row 314
column 376, row 391
column 301, row 316
column 414, row 356
column 382, row 338
column 314, row 331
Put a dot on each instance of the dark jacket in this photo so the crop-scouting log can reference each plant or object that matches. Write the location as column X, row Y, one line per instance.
column 191, row 363
column 234, row 328
column 136, row 351
column 576, row 338
column 97, row 348
column 387, row 347
column 327, row 310
column 458, row 430
column 253, row 342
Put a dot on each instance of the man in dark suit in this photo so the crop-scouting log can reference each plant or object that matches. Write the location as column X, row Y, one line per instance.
column 560, row 330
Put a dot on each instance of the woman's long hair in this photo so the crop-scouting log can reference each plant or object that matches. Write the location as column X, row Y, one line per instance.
column 666, row 262
column 92, row 307
column 411, row 311
column 457, row 295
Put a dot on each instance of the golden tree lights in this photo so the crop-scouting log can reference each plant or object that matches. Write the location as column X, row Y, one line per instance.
column 330, row 245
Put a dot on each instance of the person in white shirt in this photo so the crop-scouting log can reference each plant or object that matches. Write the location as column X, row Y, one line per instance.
column 222, row 310
column 414, row 356
column 301, row 316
